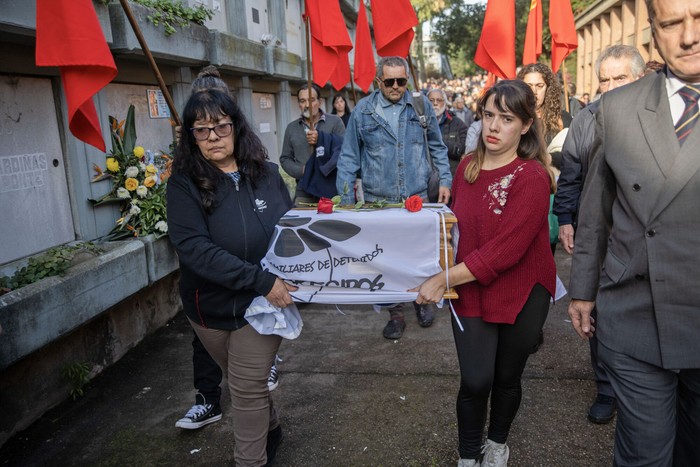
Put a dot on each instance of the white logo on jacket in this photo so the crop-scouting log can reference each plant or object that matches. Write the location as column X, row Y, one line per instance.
column 261, row 204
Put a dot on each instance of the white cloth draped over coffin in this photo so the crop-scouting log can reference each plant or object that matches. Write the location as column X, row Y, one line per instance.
column 350, row 257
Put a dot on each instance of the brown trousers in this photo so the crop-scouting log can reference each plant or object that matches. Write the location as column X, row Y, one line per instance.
column 246, row 357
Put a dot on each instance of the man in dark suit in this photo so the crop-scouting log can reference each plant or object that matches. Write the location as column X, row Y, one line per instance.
column 640, row 219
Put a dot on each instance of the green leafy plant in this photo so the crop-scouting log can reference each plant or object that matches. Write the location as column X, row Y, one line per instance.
column 77, row 375
column 139, row 180
column 171, row 13
column 53, row 262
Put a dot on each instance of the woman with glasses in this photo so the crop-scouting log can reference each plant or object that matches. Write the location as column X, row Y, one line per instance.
column 504, row 272
column 224, row 200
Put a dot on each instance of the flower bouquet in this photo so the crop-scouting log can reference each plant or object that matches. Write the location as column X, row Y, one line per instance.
column 139, row 179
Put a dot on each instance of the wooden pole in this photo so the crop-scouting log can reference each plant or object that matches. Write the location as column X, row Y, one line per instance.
column 413, row 73
column 151, row 61
column 354, row 94
column 308, row 66
column 566, row 86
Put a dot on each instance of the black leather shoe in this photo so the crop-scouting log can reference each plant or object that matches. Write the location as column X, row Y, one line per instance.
column 425, row 314
column 602, row 410
column 274, row 438
column 394, row 329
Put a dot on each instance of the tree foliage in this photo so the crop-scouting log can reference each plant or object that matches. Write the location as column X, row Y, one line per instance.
column 457, row 30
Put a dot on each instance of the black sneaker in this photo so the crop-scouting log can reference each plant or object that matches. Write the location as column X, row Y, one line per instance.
column 273, row 380
column 603, row 409
column 199, row 415
column 274, row 438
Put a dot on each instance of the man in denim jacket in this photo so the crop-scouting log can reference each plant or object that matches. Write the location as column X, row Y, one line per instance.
column 385, row 146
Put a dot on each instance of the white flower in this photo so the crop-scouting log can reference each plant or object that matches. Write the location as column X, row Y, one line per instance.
column 162, row 226
column 123, row 193
column 142, row 167
column 134, row 209
column 131, row 172
column 142, row 191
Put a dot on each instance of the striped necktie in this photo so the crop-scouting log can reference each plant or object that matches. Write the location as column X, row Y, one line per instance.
column 685, row 124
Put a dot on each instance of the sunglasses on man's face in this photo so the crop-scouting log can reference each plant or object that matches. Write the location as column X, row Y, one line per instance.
column 389, row 82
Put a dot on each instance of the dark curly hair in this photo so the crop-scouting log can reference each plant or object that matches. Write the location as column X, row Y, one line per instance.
column 550, row 112
column 516, row 97
column 248, row 150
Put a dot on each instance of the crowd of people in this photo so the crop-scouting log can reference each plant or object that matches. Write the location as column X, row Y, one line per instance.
column 614, row 179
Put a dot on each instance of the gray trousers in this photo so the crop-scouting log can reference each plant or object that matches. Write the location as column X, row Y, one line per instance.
column 601, row 378
column 246, row 358
column 658, row 412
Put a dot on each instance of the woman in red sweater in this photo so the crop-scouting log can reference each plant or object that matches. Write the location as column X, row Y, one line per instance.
column 504, row 273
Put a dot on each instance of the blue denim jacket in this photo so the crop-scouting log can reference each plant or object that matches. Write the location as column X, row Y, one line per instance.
column 392, row 167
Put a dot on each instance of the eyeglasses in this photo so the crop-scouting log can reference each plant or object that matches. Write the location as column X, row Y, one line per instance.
column 437, row 100
column 202, row 133
column 389, row 82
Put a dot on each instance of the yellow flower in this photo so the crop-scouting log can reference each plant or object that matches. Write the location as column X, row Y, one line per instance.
column 112, row 164
column 139, row 152
column 131, row 184
column 151, row 169
column 149, row 182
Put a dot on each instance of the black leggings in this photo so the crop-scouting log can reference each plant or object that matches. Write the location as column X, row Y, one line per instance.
column 492, row 358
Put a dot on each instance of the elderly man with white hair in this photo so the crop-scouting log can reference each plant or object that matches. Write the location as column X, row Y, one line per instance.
column 454, row 130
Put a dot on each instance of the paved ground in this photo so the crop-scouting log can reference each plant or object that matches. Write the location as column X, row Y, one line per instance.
column 347, row 397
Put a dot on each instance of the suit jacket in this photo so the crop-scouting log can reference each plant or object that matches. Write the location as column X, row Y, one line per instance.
column 638, row 238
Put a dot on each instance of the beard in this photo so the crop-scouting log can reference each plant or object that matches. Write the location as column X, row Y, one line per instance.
column 306, row 113
column 440, row 111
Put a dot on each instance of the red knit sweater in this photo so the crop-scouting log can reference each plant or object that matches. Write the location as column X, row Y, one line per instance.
column 503, row 238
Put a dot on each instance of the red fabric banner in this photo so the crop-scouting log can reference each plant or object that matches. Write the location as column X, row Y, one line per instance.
column 69, row 36
column 365, row 66
column 393, row 26
column 563, row 29
column 496, row 49
column 330, row 43
column 533, row 34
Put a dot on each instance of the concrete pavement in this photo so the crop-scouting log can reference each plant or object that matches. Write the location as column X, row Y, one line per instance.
column 347, row 397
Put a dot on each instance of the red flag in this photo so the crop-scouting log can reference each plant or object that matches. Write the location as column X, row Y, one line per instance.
column 496, row 49
column 393, row 26
column 330, row 43
column 365, row 67
column 533, row 34
column 341, row 74
column 563, row 29
column 69, row 36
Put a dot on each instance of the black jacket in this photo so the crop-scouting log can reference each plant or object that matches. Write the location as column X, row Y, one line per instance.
column 220, row 252
column 454, row 135
column 575, row 161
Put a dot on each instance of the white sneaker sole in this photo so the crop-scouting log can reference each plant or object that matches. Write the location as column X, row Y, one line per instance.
column 187, row 424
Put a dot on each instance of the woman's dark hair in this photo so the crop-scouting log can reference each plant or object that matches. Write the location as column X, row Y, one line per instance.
column 248, row 150
column 341, row 97
column 551, row 107
column 516, row 97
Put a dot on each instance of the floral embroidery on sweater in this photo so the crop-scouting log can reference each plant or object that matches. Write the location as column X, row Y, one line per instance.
column 498, row 191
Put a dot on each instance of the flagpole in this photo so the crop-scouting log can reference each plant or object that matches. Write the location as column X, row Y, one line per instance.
column 413, row 73
column 566, row 86
column 352, row 86
column 307, row 20
column 151, row 61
